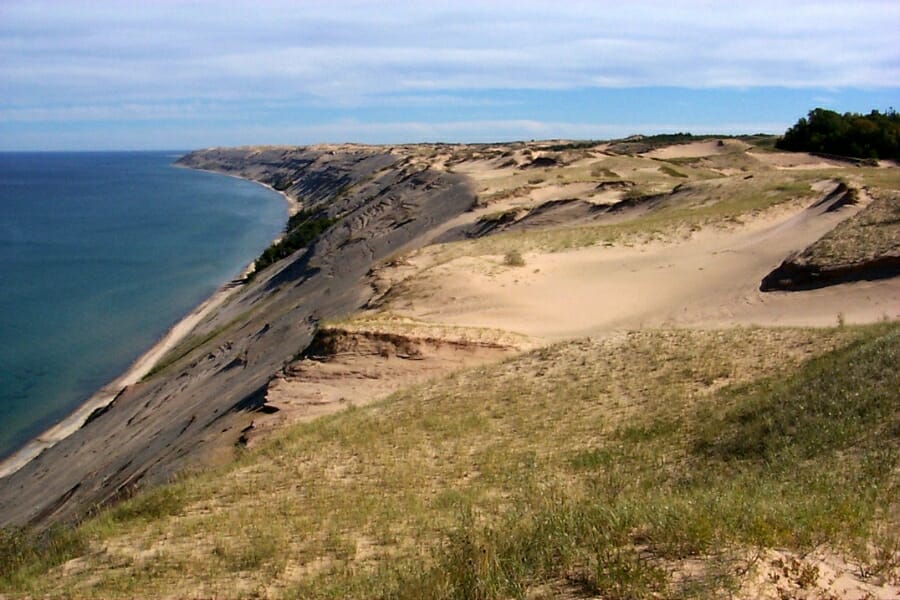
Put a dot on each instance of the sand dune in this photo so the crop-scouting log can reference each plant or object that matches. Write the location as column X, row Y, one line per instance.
column 697, row 149
column 709, row 280
column 797, row 161
column 685, row 244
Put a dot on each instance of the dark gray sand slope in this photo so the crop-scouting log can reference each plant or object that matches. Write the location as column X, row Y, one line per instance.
column 194, row 410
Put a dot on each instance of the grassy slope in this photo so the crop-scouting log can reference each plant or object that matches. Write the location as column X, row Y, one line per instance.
column 600, row 466
column 873, row 232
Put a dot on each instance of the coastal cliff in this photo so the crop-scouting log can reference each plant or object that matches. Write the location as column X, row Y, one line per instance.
column 192, row 408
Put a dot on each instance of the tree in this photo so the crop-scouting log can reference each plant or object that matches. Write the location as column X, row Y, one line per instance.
column 876, row 135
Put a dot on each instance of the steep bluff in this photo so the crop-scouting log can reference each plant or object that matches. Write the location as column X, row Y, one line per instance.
column 193, row 408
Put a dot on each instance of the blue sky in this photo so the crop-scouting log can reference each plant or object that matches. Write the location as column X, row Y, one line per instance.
column 79, row 75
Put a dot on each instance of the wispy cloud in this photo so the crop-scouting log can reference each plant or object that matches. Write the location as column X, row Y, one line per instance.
column 175, row 50
column 78, row 59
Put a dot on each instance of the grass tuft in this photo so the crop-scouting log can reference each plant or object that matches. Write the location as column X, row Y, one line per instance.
column 513, row 258
column 25, row 555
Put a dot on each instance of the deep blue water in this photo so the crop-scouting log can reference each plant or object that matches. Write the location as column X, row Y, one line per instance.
column 100, row 253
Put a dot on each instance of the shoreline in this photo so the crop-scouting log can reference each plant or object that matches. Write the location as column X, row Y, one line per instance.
column 144, row 363
column 293, row 206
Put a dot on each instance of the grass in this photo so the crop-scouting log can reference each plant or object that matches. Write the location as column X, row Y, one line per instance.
column 671, row 172
column 870, row 234
column 842, row 400
column 25, row 555
column 191, row 344
column 302, row 229
column 513, row 258
column 182, row 349
column 592, row 467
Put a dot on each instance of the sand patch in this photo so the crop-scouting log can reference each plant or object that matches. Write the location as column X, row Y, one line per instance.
column 697, row 149
column 782, row 574
column 796, row 161
column 711, row 279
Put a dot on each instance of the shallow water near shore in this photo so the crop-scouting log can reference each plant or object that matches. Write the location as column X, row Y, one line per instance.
column 101, row 253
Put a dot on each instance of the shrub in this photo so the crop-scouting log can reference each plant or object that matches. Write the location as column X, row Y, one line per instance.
column 302, row 229
column 513, row 258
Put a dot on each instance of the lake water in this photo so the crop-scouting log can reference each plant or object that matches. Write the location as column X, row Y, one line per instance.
column 100, row 253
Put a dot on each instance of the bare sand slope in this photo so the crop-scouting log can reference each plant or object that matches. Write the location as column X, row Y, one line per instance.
column 697, row 149
column 798, row 161
column 709, row 280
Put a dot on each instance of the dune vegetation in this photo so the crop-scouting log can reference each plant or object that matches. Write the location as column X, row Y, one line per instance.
column 660, row 462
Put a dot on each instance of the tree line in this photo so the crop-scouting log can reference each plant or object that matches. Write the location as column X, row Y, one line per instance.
column 875, row 135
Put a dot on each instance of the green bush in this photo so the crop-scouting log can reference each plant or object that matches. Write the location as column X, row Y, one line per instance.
column 302, row 229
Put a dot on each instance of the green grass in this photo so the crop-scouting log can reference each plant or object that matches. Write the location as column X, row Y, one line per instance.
column 589, row 467
column 793, row 462
column 153, row 504
column 842, row 400
column 192, row 343
column 26, row 555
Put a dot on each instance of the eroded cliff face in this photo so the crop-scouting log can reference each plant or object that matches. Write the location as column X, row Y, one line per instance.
column 191, row 411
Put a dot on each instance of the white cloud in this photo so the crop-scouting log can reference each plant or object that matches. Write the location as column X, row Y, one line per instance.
column 264, row 69
column 177, row 50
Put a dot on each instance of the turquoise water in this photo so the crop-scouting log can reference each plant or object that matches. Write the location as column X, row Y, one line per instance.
column 100, row 253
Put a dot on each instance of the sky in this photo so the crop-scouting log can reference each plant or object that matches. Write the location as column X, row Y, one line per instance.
column 129, row 75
